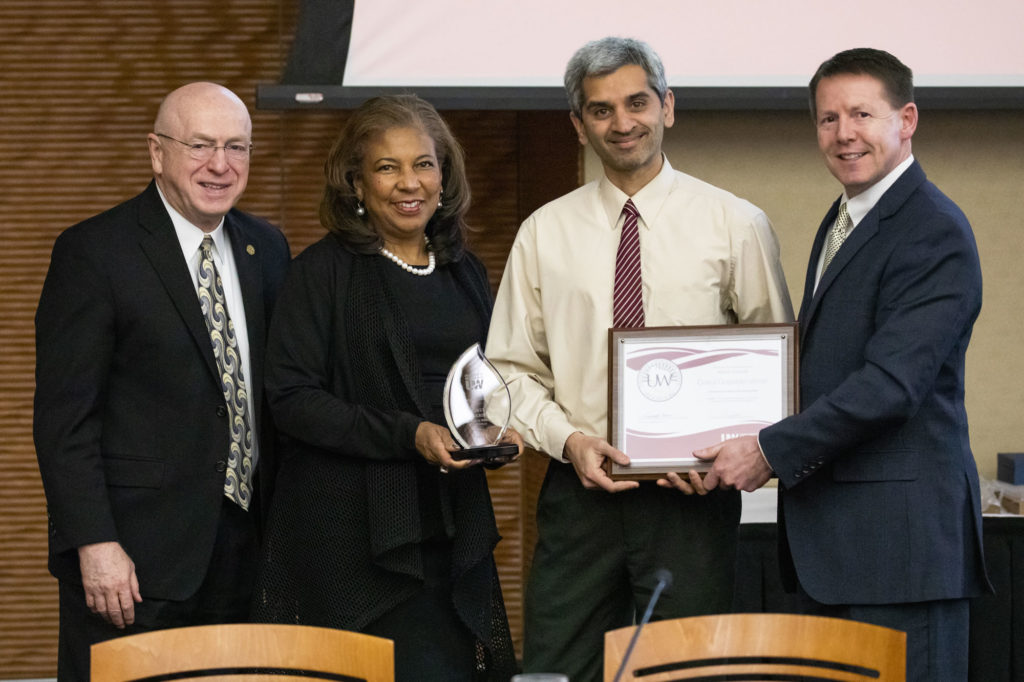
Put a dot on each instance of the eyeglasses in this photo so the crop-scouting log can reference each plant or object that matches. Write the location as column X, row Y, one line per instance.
column 200, row 151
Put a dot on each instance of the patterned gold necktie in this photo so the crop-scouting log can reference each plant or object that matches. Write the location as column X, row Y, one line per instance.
column 836, row 236
column 627, row 295
column 238, row 478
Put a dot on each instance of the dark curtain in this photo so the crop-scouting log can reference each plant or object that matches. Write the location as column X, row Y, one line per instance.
column 322, row 37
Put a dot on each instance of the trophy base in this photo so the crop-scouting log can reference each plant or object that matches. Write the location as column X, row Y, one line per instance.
column 487, row 452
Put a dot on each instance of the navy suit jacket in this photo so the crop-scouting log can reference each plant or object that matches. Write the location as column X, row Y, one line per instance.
column 879, row 499
column 131, row 429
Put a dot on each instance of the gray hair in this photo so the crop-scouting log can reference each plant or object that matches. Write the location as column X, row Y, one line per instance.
column 602, row 57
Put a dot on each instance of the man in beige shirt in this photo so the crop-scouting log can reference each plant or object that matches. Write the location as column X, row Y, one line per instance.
column 707, row 257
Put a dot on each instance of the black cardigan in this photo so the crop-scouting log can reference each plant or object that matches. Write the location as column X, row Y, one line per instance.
column 345, row 390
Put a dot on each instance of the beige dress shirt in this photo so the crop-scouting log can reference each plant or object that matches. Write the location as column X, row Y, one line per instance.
column 707, row 256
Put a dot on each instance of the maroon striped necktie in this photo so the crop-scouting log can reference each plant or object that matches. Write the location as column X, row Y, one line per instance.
column 627, row 297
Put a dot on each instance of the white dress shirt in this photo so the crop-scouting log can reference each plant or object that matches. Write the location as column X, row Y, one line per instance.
column 860, row 205
column 190, row 238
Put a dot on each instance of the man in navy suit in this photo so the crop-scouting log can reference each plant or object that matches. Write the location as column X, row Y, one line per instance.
column 136, row 425
column 879, row 511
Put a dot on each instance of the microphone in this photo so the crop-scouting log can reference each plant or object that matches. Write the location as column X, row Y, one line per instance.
column 664, row 578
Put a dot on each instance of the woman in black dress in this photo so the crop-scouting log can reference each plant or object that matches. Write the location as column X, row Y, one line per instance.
column 374, row 526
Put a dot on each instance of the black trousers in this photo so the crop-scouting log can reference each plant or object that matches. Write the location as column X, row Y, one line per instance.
column 937, row 632
column 223, row 597
column 595, row 559
column 432, row 644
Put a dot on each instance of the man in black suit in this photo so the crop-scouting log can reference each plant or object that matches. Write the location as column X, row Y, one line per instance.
column 148, row 402
column 879, row 507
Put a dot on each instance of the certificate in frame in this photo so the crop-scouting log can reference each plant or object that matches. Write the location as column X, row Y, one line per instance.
column 673, row 390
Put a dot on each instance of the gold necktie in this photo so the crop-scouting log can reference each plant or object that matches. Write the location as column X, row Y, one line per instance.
column 238, row 477
column 836, row 236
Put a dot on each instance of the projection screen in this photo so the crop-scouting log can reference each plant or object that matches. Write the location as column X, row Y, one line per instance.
column 513, row 49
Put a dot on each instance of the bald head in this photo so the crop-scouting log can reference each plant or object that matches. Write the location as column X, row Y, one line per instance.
column 201, row 186
column 176, row 106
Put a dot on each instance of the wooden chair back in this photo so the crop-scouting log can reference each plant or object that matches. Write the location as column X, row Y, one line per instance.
column 756, row 646
column 245, row 652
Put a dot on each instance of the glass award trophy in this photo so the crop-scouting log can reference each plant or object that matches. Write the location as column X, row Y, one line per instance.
column 477, row 407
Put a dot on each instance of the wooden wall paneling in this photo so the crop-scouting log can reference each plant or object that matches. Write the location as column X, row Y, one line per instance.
column 550, row 159
column 306, row 137
column 79, row 85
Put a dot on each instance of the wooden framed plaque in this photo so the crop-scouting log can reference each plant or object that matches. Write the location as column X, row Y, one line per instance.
column 673, row 390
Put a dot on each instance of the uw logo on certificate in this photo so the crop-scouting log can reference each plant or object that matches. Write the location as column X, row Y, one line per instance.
column 659, row 379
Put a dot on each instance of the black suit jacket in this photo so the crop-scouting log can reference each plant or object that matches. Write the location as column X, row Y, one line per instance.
column 131, row 429
column 879, row 497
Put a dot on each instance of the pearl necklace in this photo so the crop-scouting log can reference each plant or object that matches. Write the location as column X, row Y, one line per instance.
column 422, row 271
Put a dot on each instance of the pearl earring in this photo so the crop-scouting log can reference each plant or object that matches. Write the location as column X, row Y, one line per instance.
column 360, row 209
column 439, row 202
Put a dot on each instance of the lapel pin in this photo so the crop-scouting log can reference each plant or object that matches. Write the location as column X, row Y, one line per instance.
column 250, row 249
